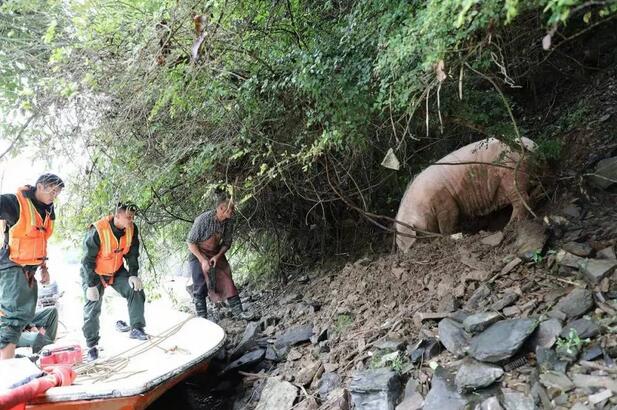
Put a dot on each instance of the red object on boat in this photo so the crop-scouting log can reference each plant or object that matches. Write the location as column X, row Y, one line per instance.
column 68, row 354
column 59, row 375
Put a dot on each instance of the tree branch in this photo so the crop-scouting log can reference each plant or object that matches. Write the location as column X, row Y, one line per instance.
column 18, row 136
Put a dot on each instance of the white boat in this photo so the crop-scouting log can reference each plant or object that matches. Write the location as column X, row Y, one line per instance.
column 131, row 374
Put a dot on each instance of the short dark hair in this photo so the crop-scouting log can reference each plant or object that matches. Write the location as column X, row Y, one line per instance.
column 126, row 206
column 221, row 197
column 50, row 179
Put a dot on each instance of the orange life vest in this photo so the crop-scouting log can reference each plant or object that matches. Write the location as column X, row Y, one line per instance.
column 28, row 237
column 111, row 252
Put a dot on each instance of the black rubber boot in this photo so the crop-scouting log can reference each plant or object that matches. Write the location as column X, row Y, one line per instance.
column 235, row 305
column 201, row 309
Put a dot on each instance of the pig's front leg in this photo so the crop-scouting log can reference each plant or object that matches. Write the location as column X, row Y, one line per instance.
column 517, row 195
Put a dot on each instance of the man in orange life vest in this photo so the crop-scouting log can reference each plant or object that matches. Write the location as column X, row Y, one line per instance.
column 29, row 216
column 108, row 243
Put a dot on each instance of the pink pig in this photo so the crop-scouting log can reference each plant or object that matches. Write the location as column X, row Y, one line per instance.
column 436, row 199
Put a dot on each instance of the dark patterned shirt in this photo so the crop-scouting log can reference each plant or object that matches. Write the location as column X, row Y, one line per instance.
column 206, row 225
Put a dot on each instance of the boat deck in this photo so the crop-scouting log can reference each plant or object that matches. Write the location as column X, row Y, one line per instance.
column 131, row 373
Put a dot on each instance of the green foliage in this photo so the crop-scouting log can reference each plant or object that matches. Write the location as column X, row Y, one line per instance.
column 549, row 142
column 397, row 364
column 549, row 148
column 293, row 104
column 572, row 343
column 536, row 256
column 343, row 321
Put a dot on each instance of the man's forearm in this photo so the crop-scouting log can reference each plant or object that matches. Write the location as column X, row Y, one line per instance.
column 198, row 254
column 91, row 277
column 133, row 264
column 224, row 249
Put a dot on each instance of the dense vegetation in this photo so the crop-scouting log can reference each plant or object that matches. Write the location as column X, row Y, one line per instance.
column 290, row 105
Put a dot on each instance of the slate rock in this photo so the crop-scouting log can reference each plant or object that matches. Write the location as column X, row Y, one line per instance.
column 546, row 358
column 374, row 389
column 294, row 336
column 328, row 382
column 564, row 258
column 453, row 336
column 530, row 238
column 511, row 311
column 289, row 298
column 557, row 314
column 513, row 400
column 318, row 338
column 607, row 253
column 305, row 376
column 510, row 266
column 600, row 396
column 501, row 340
column 584, row 381
column 294, row 354
column 443, row 394
column 448, row 303
column 556, row 380
column 579, row 406
column 277, row 395
column 490, row 404
column 584, row 328
column 539, row 394
column 308, row 404
column 492, row 240
column 561, row 400
column 473, row 375
column 592, row 352
column 248, row 339
column 480, row 321
column 479, row 297
column 272, row 354
column 577, row 248
column 546, row 334
column 246, row 360
column 425, row 350
column 572, row 211
column 605, row 173
column 390, row 345
column 506, row 300
column 339, row 399
column 270, row 320
column 594, row 270
column 415, row 402
column 576, row 303
column 460, row 315
column 412, row 399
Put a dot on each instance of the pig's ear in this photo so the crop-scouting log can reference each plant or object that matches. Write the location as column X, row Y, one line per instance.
column 528, row 144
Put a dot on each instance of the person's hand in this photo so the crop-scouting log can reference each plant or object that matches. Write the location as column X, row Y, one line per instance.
column 214, row 260
column 92, row 293
column 136, row 283
column 205, row 266
column 44, row 274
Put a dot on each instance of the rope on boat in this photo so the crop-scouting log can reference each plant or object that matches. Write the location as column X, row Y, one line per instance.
column 104, row 370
